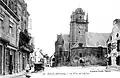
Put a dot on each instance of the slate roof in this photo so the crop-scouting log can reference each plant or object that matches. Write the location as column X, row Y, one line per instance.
column 96, row 39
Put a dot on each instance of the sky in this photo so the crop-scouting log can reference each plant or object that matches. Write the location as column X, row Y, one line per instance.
column 52, row 17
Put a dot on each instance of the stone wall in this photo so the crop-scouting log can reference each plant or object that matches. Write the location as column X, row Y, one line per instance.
column 91, row 54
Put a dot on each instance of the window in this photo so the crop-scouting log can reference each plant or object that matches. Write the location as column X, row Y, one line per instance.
column 25, row 24
column 80, row 17
column 1, row 24
column 1, row 16
column 118, row 45
column 117, row 35
column 76, row 20
column 98, row 55
column 80, row 44
column 111, row 38
column 11, row 31
column 109, row 48
column 80, row 54
column 21, row 18
column 11, row 28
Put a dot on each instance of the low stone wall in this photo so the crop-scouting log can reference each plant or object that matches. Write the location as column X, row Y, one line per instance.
column 88, row 56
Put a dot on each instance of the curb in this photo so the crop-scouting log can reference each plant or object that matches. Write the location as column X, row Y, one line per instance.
column 19, row 75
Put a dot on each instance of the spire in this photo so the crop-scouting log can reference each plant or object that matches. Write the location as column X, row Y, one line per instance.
column 73, row 16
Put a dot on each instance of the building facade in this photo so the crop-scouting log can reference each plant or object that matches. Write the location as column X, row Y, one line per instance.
column 113, row 44
column 14, row 38
column 8, row 26
column 59, row 50
column 61, row 55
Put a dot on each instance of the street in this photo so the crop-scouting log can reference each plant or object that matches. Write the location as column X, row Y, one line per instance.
column 69, row 72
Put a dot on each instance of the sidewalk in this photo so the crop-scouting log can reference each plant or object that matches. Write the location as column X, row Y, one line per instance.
column 13, row 75
column 114, row 68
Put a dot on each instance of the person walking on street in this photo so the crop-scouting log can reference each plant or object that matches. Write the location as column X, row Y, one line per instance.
column 27, row 71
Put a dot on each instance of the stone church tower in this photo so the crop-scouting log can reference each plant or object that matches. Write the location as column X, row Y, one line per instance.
column 78, row 27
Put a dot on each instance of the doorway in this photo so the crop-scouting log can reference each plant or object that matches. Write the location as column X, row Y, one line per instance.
column 10, row 59
column 23, row 64
column 118, row 60
column 10, row 64
column 109, row 61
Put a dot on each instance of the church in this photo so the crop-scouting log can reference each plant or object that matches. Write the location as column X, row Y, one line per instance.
column 83, row 47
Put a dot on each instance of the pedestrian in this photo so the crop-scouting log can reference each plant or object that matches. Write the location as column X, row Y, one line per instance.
column 32, row 69
column 27, row 68
column 27, row 71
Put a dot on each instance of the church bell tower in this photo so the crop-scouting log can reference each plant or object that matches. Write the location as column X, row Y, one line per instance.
column 78, row 27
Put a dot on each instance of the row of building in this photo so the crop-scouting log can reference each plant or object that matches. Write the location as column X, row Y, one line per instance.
column 16, row 43
column 40, row 60
column 88, row 48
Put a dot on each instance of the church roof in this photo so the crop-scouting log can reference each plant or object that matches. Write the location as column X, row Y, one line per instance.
column 66, row 42
column 96, row 39
column 79, row 11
